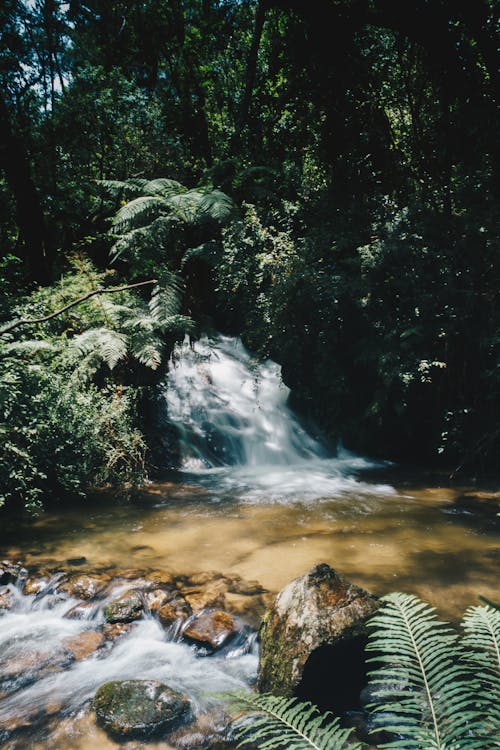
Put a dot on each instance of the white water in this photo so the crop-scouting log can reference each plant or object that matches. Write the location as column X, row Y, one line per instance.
column 36, row 672
column 238, row 435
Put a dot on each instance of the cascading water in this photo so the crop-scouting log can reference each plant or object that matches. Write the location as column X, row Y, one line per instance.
column 238, row 435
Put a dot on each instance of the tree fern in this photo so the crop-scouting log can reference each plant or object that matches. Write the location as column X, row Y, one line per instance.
column 101, row 345
column 287, row 724
column 137, row 212
column 425, row 691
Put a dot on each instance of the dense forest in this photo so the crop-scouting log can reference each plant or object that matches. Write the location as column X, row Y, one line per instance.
column 317, row 177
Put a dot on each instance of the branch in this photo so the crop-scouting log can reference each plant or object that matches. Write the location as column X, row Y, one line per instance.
column 111, row 290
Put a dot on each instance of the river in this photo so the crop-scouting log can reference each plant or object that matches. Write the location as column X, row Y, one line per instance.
column 258, row 496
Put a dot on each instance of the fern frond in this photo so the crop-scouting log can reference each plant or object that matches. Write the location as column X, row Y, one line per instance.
column 165, row 300
column 278, row 723
column 186, row 206
column 123, row 188
column 217, row 206
column 208, row 251
column 149, row 351
column 29, row 347
column 138, row 211
column 482, row 642
column 482, row 635
column 425, row 692
column 163, row 186
column 101, row 344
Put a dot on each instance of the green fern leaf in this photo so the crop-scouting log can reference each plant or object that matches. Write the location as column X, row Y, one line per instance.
column 165, row 300
column 425, row 692
column 287, row 724
column 163, row 186
column 101, row 345
column 217, row 206
column 138, row 211
column 123, row 188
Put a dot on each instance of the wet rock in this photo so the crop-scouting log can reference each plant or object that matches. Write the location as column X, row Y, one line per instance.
column 161, row 577
column 210, row 731
column 112, row 632
column 82, row 611
column 127, row 607
column 76, row 561
column 34, row 585
column 176, row 609
column 84, row 645
column 11, row 572
column 154, row 599
column 316, row 629
column 85, row 586
column 139, row 708
column 245, row 588
column 251, row 609
column 211, row 595
column 212, row 628
column 6, row 599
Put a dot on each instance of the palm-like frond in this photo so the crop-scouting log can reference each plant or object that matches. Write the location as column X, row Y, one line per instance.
column 101, row 345
column 162, row 186
column 186, row 206
column 278, row 723
column 425, row 692
column 137, row 212
column 217, row 205
column 124, row 188
column 165, row 300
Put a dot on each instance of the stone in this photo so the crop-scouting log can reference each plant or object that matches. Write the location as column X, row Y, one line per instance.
column 84, row 645
column 125, row 608
column 212, row 628
column 315, row 631
column 155, row 599
column 82, row 611
column 6, row 599
column 174, row 610
column 140, row 709
column 112, row 632
column 245, row 588
column 11, row 572
column 209, row 595
column 34, row 585
column 85, row 586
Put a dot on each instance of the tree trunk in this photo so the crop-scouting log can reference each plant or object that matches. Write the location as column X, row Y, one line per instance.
column 251, row 71
column 15, row 164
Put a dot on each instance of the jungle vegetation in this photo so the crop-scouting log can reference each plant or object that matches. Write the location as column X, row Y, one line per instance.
column 316, row 177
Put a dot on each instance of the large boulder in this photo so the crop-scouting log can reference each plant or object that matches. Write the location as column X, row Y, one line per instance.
column 312, row 639
column 139, row 708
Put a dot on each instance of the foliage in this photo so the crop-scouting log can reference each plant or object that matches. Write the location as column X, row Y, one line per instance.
column 68, row 411
column 279, row 722
column 430, row 689
column 61, row 438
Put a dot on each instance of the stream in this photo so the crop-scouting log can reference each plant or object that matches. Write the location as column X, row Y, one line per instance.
column 258, row 498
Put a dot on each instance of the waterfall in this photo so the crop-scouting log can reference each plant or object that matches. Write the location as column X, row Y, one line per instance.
column 237, row 433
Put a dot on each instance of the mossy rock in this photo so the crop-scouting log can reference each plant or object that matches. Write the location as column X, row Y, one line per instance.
column 125, row 608
column 140, row 708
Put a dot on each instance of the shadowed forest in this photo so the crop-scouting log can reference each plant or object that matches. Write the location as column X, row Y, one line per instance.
column 317, row 177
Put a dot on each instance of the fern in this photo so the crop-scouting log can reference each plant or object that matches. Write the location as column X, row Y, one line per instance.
column 101, row 345
column 217, row 206
column 482, row 641
column 163, row 186
column 427, row 692
column 137, row 212
column 287, row 724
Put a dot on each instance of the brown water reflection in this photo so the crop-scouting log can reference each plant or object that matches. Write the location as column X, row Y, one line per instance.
column 441, row 543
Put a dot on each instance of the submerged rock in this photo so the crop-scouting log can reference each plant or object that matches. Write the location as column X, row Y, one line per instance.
column 11, row 572
column 125, row 608
column 312, row 639
column 84, row 644
column 140, row 708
